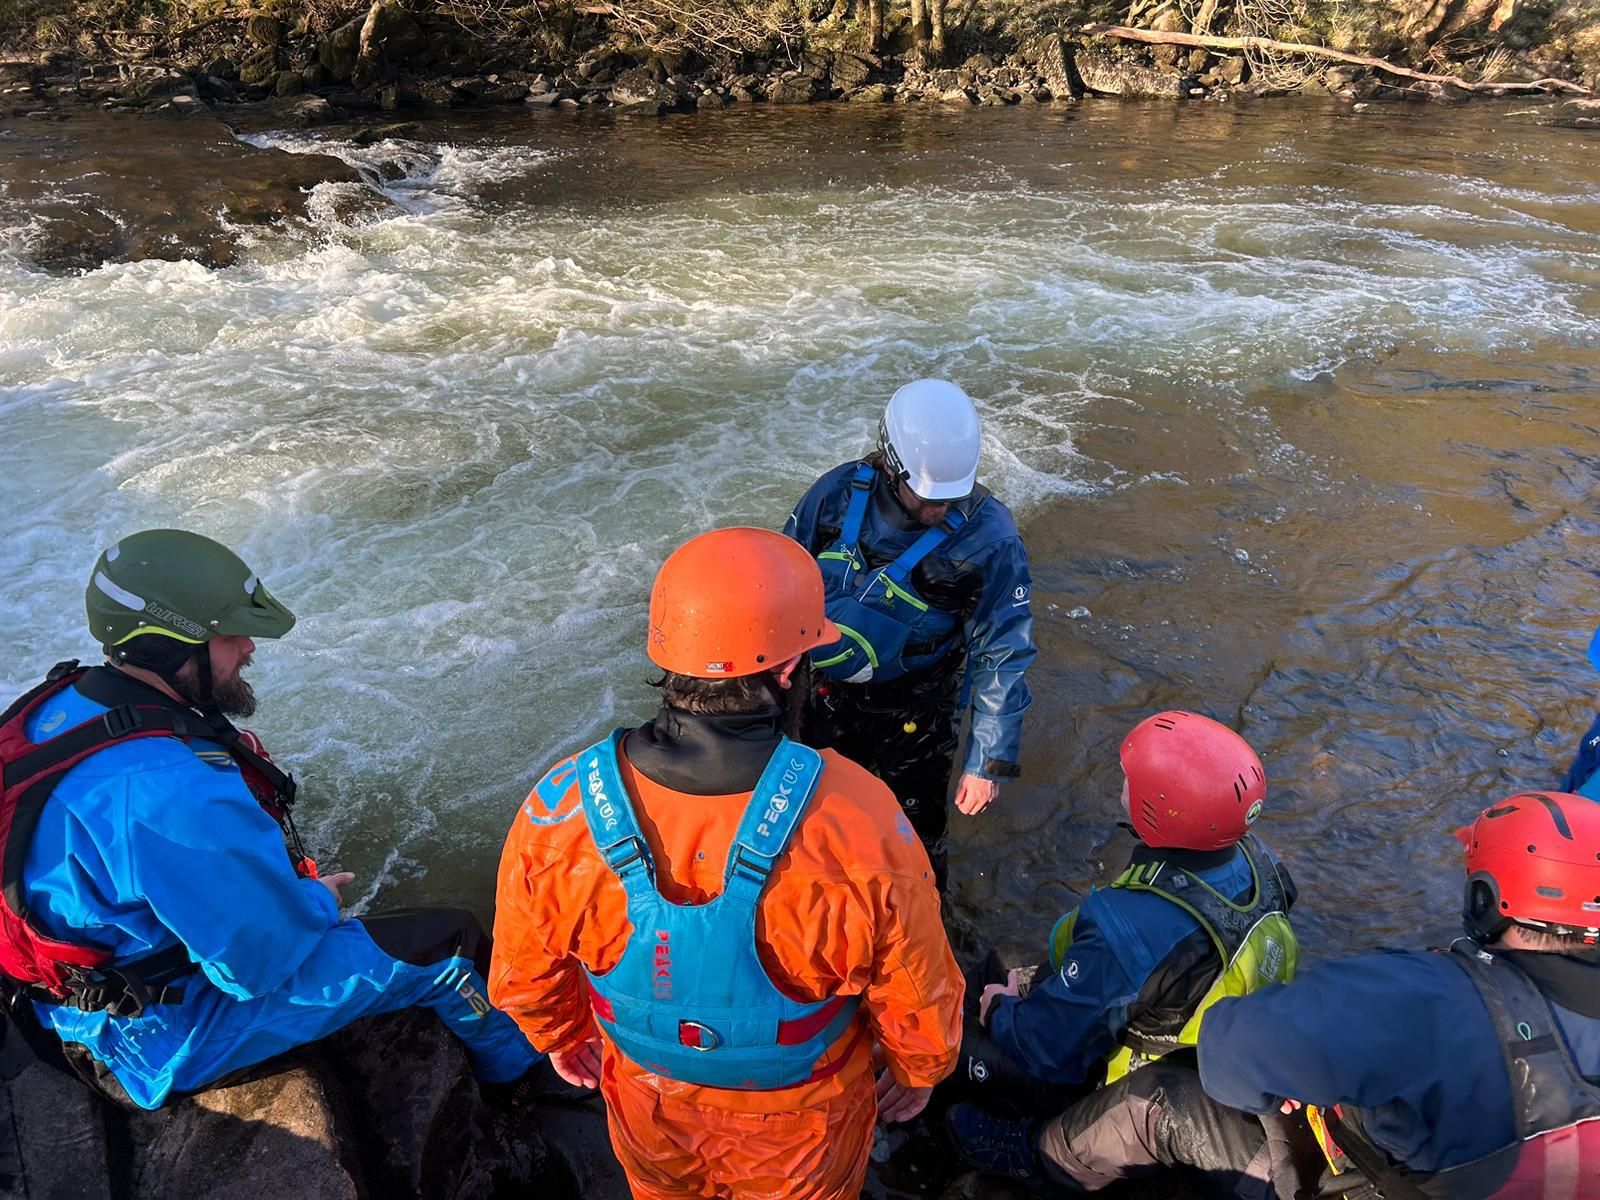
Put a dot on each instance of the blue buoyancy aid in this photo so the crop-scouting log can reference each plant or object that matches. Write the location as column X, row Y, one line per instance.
column 689, row 998
column 887, row 628
column 1583, row 776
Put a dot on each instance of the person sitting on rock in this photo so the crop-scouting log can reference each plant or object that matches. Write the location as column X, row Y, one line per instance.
column 717, row 923
column 1198, row 914
column 150, row 918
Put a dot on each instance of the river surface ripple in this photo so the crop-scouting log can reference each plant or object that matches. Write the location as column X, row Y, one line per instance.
column 1296, row 407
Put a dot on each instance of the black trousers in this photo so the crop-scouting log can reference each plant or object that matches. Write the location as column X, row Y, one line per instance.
column 985, row 1074
column 905, row 732
column 1156, row 1120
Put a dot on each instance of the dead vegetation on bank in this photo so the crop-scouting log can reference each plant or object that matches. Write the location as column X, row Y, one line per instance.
column 1474, row 42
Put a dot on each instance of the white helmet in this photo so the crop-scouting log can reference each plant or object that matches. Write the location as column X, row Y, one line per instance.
column 929, row 438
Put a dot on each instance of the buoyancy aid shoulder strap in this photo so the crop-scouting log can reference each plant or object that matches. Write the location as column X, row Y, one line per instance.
column 1546, row 1082
column 1227, row 924
column 855, row 513
column 770, row 819
column 613, row 825
column 900, row 569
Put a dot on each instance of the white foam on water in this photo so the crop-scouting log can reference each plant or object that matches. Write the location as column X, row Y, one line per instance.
column 458, row 441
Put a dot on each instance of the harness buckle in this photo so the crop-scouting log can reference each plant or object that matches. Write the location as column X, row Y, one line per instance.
column 637, row 853
column 123, row 719
column 704, row 1037
column 61, row 670
column 755, row 868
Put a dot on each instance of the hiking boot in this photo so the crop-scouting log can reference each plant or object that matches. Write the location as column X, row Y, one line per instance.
column 995, row 1145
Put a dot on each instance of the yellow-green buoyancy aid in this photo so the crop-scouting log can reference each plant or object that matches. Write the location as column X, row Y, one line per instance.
column 1254, row 942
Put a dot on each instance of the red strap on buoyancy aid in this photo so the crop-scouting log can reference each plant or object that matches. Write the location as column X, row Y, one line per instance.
column 29, row 773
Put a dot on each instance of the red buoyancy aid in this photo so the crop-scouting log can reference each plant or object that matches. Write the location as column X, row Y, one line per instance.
column 46, row 967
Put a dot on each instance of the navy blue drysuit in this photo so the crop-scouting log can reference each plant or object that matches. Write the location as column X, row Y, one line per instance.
column 1404, row 1036
column 905, row 729
column 154, row 842
column 1583, row 776
column 1134, row 961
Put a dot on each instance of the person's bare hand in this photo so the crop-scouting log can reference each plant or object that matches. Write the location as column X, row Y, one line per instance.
column 579, row 1066
column 897, row 1101
column 1290, row 1106
column 974, row 794
column 993, row 991
column 336, row 881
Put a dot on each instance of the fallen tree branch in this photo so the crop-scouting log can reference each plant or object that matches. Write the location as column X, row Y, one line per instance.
column 1268, row 45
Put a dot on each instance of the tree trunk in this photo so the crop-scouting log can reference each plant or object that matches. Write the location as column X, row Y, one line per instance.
column 874, row 26
column 1205, row 17
column 840, row 10
column 919, row 25
column 1156, row 38
column 936, row 29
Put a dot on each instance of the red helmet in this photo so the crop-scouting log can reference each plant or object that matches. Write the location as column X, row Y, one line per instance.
column 1192, row 784
column 1534, row 859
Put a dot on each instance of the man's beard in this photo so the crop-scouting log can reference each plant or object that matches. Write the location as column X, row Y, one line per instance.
column 233, row 697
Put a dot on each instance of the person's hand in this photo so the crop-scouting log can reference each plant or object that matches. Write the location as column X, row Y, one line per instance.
column 579, row 1066
column 974, row 794
column 1290, row 1106
column 336, row 881
column 898, row 1102
column 1011, row 987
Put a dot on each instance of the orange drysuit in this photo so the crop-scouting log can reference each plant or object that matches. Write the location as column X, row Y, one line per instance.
column 850, row 909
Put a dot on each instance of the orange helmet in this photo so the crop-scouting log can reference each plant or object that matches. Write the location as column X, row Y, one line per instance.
column 736, row 602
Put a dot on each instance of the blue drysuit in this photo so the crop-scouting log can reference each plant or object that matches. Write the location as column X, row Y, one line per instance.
column 153, row 842
column 1135, row 960
column 1583, row 776
column 980, row 577
column 1403, row 1036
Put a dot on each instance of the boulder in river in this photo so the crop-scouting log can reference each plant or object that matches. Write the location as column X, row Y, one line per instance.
column 337, row 52
column 1110, row 75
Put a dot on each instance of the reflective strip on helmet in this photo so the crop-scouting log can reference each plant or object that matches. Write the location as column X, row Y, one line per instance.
column 120, row 594
column 250, row 585
column 163, row 631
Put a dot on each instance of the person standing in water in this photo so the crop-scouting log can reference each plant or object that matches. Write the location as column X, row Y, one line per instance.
column 717, row 924
column 928, row 582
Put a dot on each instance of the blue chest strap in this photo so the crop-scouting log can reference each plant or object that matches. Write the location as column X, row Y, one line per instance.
column 776, row 805
column 855, row 518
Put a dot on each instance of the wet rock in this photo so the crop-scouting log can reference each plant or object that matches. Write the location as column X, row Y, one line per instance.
column 711, row 100
column 1573, row 114
column 290, row 83
column 57, row 1144
column 1231, row 70
column 794, row 87
column 1050, row 60
column 873, row 93
column 437, row 93
column 306, row 111
column 850, row 71
column 243, row 1142
column 640, row 86
column 1108, row 75
column 645, row 108
column 955, row 96
column 542, row 99
column 338, row 51
column 221, row 68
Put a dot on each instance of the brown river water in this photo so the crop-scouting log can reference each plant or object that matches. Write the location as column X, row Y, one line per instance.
column 1296, row 407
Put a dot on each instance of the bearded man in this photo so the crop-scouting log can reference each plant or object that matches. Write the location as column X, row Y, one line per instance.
column 150, row 919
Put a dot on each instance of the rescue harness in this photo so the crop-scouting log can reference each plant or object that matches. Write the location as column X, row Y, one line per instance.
column 36, row 966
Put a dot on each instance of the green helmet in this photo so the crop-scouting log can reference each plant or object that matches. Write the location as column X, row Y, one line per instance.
column 178, row 585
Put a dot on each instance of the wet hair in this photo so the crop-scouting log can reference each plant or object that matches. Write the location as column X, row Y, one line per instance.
column 745, row 696
column 719, row 697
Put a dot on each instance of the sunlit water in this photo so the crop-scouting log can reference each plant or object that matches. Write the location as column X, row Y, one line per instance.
column 1297, row 409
